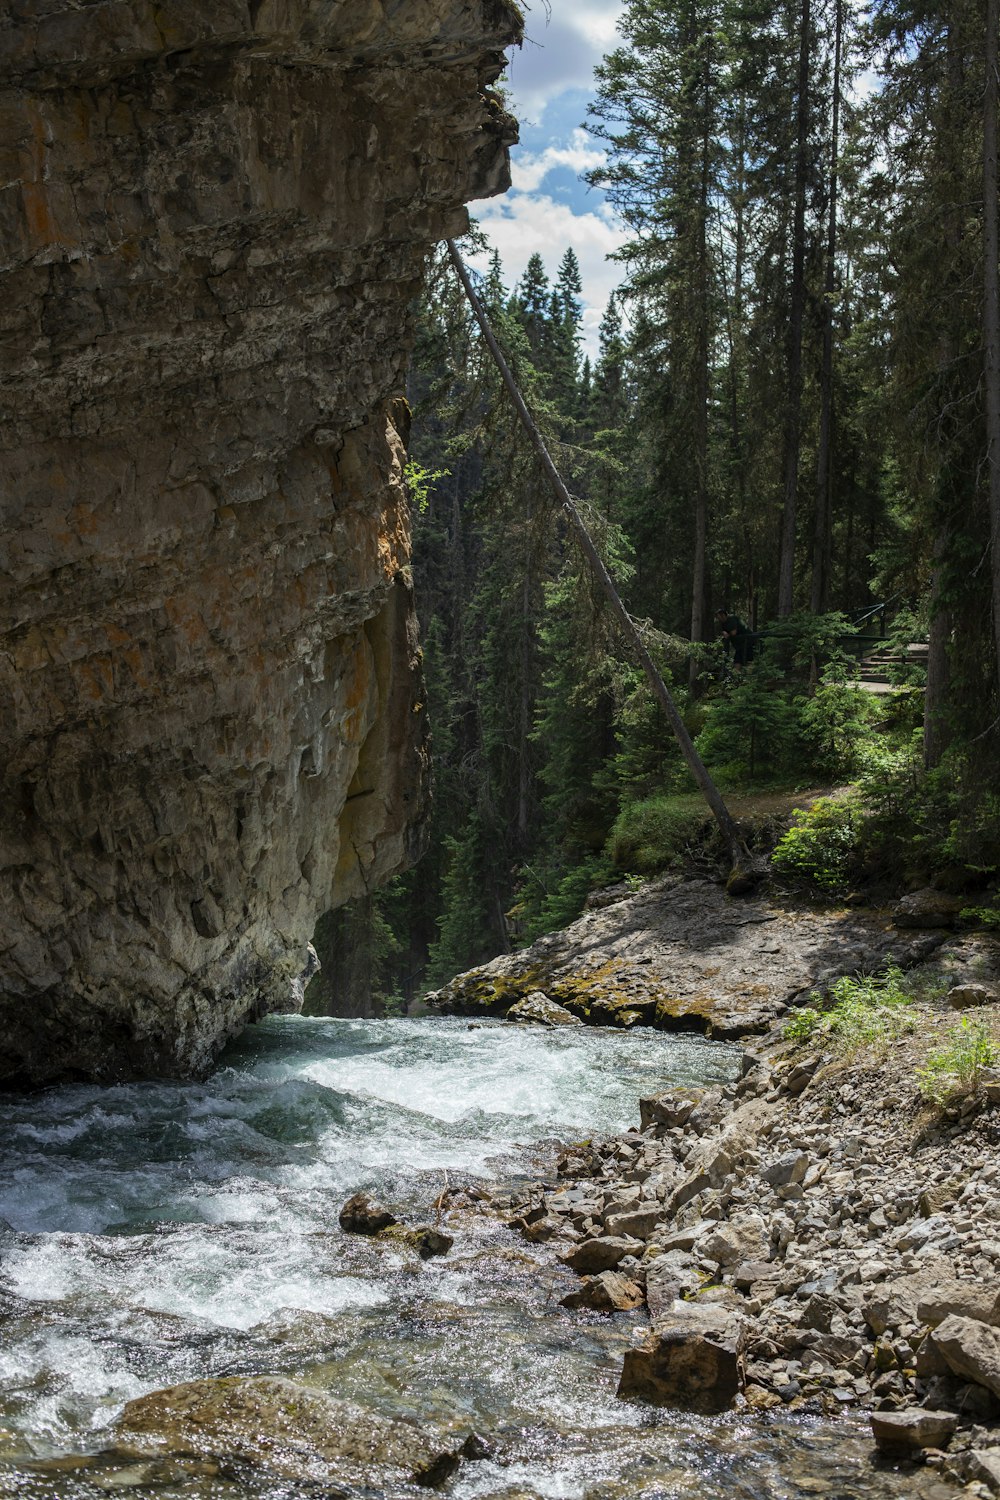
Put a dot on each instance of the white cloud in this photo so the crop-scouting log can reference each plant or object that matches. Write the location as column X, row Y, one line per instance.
column 562, row 47
column 529, row 171
column 519, row 225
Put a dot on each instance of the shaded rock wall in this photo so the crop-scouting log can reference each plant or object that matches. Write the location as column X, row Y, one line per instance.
column 212, row 221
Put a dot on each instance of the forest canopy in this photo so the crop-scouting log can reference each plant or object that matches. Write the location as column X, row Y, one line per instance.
column 793, row 416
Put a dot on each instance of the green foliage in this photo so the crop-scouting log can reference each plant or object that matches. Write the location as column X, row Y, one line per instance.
column 835, row 724
column 821, row 846
column 982, row 916
column 805, row 643
column 753, row 726
column 464, row 923
column 550, row 899
column 420, row 482
column 866, row 1011
column 652, row 835
column 952, row 1072
column 802, row 1024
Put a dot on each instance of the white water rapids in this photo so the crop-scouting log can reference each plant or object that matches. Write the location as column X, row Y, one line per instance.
column 156, row 1233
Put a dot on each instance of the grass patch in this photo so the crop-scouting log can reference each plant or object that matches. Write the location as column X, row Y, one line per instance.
column 869, row 1011
column 654, row 834
column 951, row 1073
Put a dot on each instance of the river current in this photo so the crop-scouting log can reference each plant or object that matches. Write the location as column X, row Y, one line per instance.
column 157, row 1233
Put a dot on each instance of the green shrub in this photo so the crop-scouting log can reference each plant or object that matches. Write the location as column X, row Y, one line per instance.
column 982, row 916
column 835, row 722
column 651, row 835
column 821, row 846
column 952, row 1072
column 802, row 1025
column 869, row 1010
column 753, row 727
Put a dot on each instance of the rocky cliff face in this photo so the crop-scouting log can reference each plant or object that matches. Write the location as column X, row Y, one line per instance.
column 212, row 221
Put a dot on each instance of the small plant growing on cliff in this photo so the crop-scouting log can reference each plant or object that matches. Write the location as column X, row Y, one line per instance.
column 867, row 1010
column 952, row 1072
column 420, row 482
column 802, row 1025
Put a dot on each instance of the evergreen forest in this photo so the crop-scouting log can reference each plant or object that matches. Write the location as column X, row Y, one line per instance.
column 793, row 417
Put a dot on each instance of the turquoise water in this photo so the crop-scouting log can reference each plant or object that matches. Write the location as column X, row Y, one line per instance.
column 156, row 1233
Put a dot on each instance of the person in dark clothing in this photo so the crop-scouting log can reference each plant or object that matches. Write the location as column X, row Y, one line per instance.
column 738, row 639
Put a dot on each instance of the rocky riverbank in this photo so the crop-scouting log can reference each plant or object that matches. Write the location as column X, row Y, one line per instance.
column 821, row 1235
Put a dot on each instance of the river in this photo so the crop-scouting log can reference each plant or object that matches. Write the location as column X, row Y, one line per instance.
column 162, row 1232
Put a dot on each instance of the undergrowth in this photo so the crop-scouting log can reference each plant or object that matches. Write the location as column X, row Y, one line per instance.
column 870, row 1010
column 952, row 1072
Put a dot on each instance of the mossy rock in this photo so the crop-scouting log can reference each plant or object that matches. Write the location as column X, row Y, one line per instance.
column 290, row 1430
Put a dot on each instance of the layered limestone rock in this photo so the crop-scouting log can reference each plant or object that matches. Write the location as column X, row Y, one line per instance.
column 213, row 219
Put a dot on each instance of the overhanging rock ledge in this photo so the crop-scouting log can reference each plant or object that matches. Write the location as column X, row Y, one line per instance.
column 213, row 220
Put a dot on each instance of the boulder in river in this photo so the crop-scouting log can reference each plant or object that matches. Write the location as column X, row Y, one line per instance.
column 428, row 1241
column 602, row 1253
column 692, row 1359
column 362, row 1215
column 539, row 1010
column 902, row 1434
column 608, row 1292
column 291, row 1430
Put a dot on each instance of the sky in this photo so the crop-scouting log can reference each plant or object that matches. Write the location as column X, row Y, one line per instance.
column 549, row 207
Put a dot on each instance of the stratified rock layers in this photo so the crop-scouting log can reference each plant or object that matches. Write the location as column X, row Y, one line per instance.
column 213, row 219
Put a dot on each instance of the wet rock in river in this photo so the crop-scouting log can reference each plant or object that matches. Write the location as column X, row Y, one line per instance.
column 362, row 1215
column 608, row 1292
column 288, row 1429
column 600, row 1254
column 539, row 1010
column 692, row 1359
column 900, row 1434
column 428, row 1241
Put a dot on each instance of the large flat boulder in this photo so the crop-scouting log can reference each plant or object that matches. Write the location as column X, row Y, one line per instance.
column 692, row 1359
column 970, row 1349
column 266, row 1422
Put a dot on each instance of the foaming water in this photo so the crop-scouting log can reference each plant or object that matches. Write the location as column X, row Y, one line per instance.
column 160, row 1232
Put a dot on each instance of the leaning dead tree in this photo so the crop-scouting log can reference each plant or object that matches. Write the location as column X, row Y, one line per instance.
column 744, row 869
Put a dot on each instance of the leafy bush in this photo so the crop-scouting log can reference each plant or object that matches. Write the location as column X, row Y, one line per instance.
column 952, row 1072
column 753, row 726
column 835, row 722
column 651, row 835
column 799, row 643
column 869, row 1010
column 982, row 916
column 821, row 846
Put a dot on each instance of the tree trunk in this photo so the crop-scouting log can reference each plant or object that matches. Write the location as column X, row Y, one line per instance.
column 524, row 726
column 703, row 357
column 824, row 458
column 936, row 732
column 742, row 861
column 991, row 303
column 793, row 413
